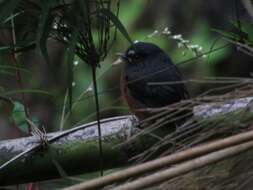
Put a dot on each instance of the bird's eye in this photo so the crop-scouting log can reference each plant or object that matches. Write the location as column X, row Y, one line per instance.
column 136, row 56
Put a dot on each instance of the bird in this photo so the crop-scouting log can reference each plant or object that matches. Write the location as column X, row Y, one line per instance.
column 145, row 63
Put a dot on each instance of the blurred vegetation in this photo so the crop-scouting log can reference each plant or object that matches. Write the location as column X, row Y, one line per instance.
column 202, row 38
column 202, row 23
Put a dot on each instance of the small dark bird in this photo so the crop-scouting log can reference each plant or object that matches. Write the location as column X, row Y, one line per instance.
column 146, row 63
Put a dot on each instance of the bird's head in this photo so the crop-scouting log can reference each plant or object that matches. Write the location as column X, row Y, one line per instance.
column 138, row 52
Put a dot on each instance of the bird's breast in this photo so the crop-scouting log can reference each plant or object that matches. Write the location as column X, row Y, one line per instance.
column 135, row 106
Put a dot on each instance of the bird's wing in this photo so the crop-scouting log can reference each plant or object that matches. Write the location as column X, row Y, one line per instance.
column 158, row 95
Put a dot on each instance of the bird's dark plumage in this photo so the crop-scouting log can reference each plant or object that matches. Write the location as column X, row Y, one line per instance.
column 146, row 63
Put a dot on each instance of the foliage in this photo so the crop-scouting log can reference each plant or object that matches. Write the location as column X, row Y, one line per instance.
column 242, row 36
column 87, row 31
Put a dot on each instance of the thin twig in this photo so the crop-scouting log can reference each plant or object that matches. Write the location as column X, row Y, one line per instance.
column 185, row 167
column 98, row 118
column 164, row 161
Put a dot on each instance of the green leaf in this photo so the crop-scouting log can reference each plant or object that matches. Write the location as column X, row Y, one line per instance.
column 115, row 20
column 70, row 62
column 24, row 91
column 19, row 117
column 7, row 7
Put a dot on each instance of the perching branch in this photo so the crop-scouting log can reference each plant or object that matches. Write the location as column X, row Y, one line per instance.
column 76, row 150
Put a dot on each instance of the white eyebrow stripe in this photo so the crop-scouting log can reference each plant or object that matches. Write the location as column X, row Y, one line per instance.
column 131, row 52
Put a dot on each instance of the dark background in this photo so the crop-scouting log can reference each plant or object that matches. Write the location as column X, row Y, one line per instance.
column 194, row 20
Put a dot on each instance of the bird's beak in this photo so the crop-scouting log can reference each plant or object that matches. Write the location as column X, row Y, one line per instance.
column 121, row 59
column 117, row 61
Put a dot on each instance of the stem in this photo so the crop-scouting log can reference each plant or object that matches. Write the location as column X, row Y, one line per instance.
column 98, row 118
column 18, row 74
